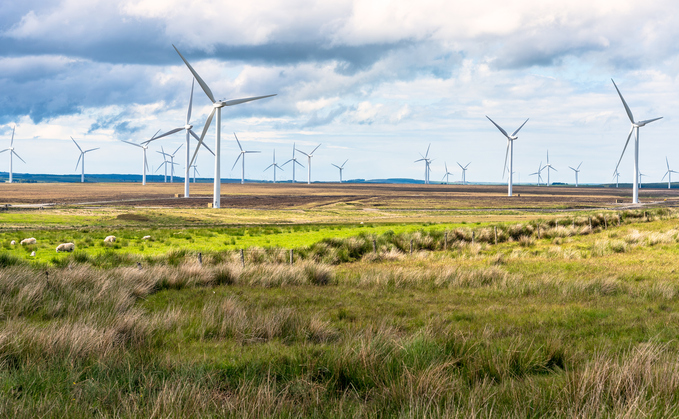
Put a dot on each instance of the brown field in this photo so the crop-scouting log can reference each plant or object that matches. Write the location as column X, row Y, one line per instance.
column 316, row 196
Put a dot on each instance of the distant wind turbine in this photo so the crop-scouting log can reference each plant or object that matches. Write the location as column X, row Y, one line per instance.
column 12, row 152
column 241, row 157
column 640, row 178
column 635, row 126
column 576, row 170
column 448, row 173
column 341, row 168
column 189, row 132
column 274, row 165
column 464, row 172
column 668, row 174
column 144, row 165
column 616, row 176
column 309, row 156
column 538, row 173
column 509, row 153
column 294, row 161
column 217, row 106
column 549, row 167
column 427, row 161
column 82, row 156
column 172, row 163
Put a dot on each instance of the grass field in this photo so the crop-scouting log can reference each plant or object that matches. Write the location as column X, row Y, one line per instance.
column 560, row 318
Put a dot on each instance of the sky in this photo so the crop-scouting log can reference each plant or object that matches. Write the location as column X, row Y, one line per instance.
column 375, row 82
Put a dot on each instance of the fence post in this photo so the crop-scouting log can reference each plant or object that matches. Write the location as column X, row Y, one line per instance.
column 291, row 257
column 47, row 275
column 645, row 216
column 242, row 258
column 539, row 235
column 200, row 258
column 605, row 223
column 374, row 246
column 573, row 223
column 495, row 228
column 619, row 217
column 411, row 246
column 472, row 238
column 445, row 241
column 590, row 223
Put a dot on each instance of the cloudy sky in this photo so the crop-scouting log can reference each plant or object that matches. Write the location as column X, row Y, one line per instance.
column 374, row 81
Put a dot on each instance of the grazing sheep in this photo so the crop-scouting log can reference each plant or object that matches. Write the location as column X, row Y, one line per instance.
column 33, row 253
column 146, row 238
column 31, row 240
column 12, row 242
column 110, row 239
column 66, row 247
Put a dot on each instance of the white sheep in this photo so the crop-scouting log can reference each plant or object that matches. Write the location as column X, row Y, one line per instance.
column 110, row 239
column 33, row 253
column 66, row 247
column 146, row 238
column 30, row 240
column 12, row 242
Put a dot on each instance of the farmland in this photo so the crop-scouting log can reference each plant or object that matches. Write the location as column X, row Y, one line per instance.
column 401, row 301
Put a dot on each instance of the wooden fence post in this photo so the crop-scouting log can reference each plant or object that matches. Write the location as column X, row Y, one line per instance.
column 605, row 223
column 539, row 235
column 374, row 246
column 495, row 228
column 291, row 257
column 411, row 246
column 242, row 258
column 445, row 241
column 590, row 223
column 472, row 238
column 200, row 258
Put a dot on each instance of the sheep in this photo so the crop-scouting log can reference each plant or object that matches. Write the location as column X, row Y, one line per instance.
column 12, row 242
column 66, row 247
column 33, row 253
column 146, row 238
column 30, row 240
column 110, row 239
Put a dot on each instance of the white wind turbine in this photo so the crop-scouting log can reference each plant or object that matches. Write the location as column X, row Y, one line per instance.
column 11, row 152
column 189, row 132
column 144, row 165
column 294, row 162
column 195, row 170
column 538, row 173
column 341, row 168
column 616, row 176
column 509, row 153
column 549, row 167
column 172, row 163
column 427, row 161
column 635, row 125
column 309, row 156
column 217, row 106
column 448, row 173
column 464, row 172
column 242, row 155
column 669, row 174
column 640, row 178
column 82, row 156
column 274, row 165
column 576, row 170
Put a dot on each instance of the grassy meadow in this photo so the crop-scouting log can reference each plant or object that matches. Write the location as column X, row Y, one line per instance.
column 573, row 314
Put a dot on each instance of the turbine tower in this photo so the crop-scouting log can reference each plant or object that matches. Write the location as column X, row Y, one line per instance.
column 635, row 126
column 549, row 167
column 274, row 165
column 309, row 156
column 509, row 153
column 448, row 173
column 427, row 161
column 576, row 170
column 217, row 106
column 82, row 156
column 242, row 154
column 538, row 173
column 464, row 172
column 144, row 165
column 341, row 168
column 189, row 132
column 12, row 152
column 669, row 174
column 294, row 162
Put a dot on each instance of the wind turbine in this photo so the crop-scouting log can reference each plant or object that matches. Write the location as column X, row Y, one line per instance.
column 172, row 163
column 616, row 176
column 464, row 172
column 195, row 170
column 144, row 165
column 635, row 125
column 294, row 162
column 341, row 168
column 640, row 177
column 538, row 173
column 217, row 106
column 82, row 156
column 12, row 152
column 668, row 173
column 274, row 165
column 242, row 154
column 426, row 161
column 309, row 156
column 577, row 170
column 509, row 153
column 549, row 167
column 189, row 132
column 448, row 173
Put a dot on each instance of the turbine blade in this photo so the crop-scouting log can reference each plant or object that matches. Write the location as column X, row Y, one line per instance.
column 188, row 113
column 666, row 173
column 175, row 152
column 303, row 152
column 247, row 99
column 335, row 165
column 648, row 121
column 202, row 84
column 312, row 151
column 164, row 135
column 202, row 136
column 499, row 127
column 11, row 143
column 15, row 153
column 239, row 146
column 572, row 169
column 78, row 162
column 627, row 109
column 198, row 138
column 299, row 163
column 236, row 162
column 251, row 151
column 134, row 144
column 268, row 167
column 460, row 165
column 579, row 165
column 287, row 162
column 668, row 163
column 506, row 155
column 519, row 129
column 427, row 153
column 91, row 149
column 76, row 144
column 345, row 162
column 2, row 151
column 625, row 148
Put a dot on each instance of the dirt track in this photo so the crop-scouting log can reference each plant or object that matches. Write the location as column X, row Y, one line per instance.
column 302, row 196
